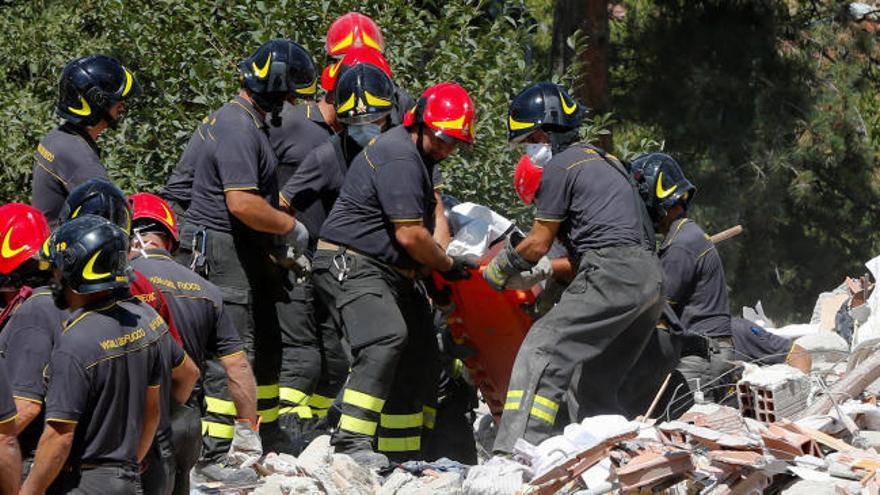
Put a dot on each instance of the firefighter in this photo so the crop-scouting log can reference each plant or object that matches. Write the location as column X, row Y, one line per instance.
column 31, row 321
column 604, row 318
column 695, row 287
column 230, row 237
column 300, row 78
column 105, row 372
column 363, row 104
column 374, row 244
column 92, row 95
column 10, row 455
column 206, row 329
column 101, row 198
column 305, row 128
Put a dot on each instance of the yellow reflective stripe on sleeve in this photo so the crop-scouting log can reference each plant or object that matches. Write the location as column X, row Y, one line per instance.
column 319, row 413
column 404, row 444
column 514, row 394
column 248, row 188
column 400, row 421
column 11, row 418
column 220, row 406
column 514, row 399
column 28, row 399
column 269, row 415
column 293, row 395
column 511, row 406
column 217, row 430
column 549, row 404
column 236, row 353
column 267, row 391
column 320, row 401
column 53, row 420
column 540, row 414
column 357, row 425
column 430, row 416
column 303, row 412
column 362, row 400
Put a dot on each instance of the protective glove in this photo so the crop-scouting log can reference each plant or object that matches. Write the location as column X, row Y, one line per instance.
column 460, row 270
column 246, row 447
column 525, row 280
column 291, row 251
column 505, row 265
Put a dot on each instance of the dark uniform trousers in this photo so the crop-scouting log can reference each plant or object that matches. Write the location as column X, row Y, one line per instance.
column 389, row 402
column 159, row 476
column 603, row 321
column 314, row 364
column 253, row 289
column 186, row 430
column 106, row 479
column 710, row 369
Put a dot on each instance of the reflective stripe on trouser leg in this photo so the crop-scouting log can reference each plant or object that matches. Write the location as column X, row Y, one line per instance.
column 596, row 315
column 429, row 415
column 295, row 402
column 319, row 405
column 400, row 433
column 301, row 355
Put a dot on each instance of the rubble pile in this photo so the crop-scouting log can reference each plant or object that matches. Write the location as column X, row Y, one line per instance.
column 790, row 433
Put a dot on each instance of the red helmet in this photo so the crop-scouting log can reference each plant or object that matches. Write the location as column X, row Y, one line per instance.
column 24, row 230
column 526, row 179
column 360, row 55
column 353, row 30
column 446, row 108
column 152, row 208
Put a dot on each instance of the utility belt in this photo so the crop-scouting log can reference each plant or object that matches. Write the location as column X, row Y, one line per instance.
column 76, row 467
column 342, row 267
column 694, row 344
column 198, row 241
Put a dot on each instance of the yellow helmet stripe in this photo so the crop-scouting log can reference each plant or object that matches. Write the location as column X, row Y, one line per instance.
column 308, row 90
column 89, row 270
column 129, row 81
column 370, row 42
column 348, row 105
column 450, row 124
column 565, row 107
column 264, row 71
column 84, row 109
column 7, row 251
column 168, row 216
column 662, row 193
column 516, row 125
column 344, row 43
column 376, row 101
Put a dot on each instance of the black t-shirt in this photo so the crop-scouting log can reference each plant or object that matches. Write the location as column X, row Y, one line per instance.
column 751, row 341
column 104, row 360
column 403, row 102
column 387, row 183
column 314, row 187
column 302, row 130
column 236, row 157
column 26, row 344
column 65, row 158
column 196, row 306
column 693, row 280
column 178, row 188
column 591, row 198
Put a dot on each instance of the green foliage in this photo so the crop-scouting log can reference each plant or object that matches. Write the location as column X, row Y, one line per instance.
column 185, row 56
column 771, row 109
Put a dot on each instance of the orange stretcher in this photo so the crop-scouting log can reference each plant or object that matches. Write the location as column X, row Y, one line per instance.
column 494, row 325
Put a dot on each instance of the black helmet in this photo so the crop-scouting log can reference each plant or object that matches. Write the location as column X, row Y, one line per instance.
column 364, row 93
column 662, row 184
column 97, row 197
column 546, row 106
column 90, row 86
column 92, row 255
column 278, row 68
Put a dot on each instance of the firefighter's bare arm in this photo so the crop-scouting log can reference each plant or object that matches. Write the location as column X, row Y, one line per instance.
column 150, row 423
column 183, row 379
column 257, row 213
column 242, row 385
column 52, row 453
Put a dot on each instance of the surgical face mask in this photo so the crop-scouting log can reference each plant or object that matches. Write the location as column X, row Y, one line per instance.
column 539, row 153
column 362, row 134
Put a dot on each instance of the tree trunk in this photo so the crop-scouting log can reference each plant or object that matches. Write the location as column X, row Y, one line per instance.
column 591, row 17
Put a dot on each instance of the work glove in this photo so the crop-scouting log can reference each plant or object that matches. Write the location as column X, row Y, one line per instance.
column 505, row 265
column 246, row 447
column 291, row 254
column 527, row 279
column 460, row 270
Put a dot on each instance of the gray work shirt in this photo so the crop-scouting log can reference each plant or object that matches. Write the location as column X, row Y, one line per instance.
column 26, row 344
column 237, row 156
column 592, row 200
column 387, row 183
column 65, row 158
column 693, row 280
column 104, row 360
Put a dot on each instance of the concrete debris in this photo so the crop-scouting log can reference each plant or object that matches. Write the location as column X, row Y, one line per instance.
column 498, row 476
